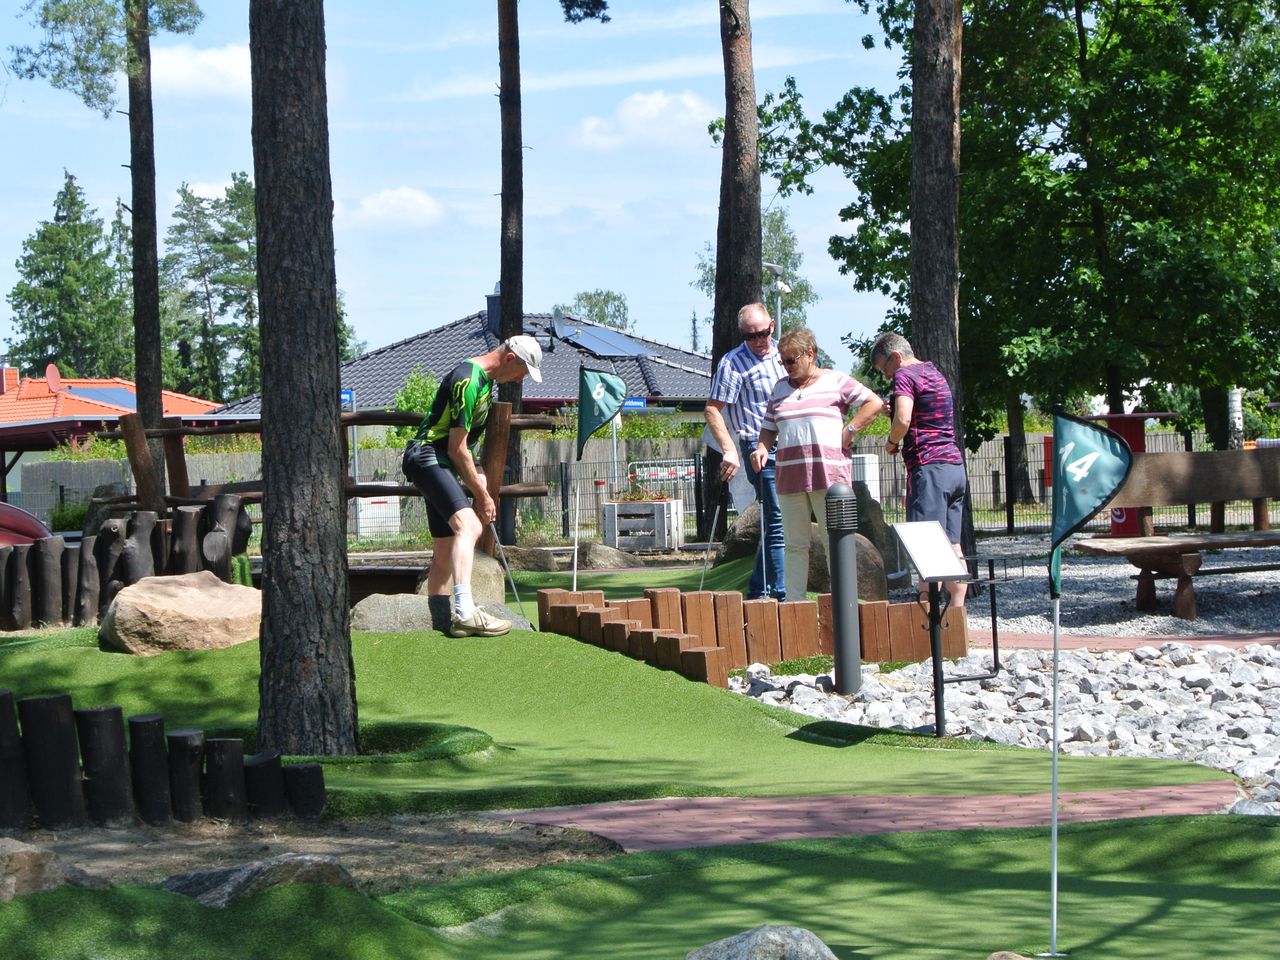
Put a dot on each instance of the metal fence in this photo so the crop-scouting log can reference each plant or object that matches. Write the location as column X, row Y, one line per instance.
column 1002, row 501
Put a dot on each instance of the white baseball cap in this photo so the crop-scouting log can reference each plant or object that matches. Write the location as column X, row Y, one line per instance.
column 527, row 349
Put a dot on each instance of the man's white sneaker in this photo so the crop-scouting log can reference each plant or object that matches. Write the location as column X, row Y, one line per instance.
column 479, row 624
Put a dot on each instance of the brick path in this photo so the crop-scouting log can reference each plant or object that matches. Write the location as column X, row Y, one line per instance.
column 677, row 822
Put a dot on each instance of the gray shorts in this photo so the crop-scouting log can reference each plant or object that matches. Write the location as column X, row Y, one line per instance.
column 935, row 491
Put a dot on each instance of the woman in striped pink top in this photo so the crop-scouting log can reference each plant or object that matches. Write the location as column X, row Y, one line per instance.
column 806, row 416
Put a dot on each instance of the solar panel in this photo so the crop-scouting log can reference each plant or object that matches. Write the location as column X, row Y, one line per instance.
column 117, row 396
column 600, row 341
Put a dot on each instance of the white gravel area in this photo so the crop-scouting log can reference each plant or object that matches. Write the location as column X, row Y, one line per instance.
column 1098, row 594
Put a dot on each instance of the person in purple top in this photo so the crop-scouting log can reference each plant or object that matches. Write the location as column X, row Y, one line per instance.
column 923, row 428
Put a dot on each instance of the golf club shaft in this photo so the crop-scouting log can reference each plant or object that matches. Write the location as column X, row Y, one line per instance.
column 506, row 566
column 711, row 538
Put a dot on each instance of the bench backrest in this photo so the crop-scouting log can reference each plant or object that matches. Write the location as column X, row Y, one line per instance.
column 1211, row 476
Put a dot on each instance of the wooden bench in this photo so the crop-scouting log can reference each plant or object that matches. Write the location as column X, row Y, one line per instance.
column 1180, row 479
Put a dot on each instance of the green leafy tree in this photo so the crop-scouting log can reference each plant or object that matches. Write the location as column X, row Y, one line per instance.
column 1119, row 215
column 415, row 396
column 68, row 306
column 602, row 306
column 211, row 257
column 87, row 44
column 778, row 245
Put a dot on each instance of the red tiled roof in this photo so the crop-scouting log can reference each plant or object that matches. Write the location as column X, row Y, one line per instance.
column 31, row 399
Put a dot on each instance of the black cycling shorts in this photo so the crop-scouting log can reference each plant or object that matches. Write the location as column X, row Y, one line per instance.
column 439, row 486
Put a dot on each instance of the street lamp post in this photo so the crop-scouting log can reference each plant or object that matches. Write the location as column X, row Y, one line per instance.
column 779, row 287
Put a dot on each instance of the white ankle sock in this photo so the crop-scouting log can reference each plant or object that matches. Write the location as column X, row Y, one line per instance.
column 463, row 606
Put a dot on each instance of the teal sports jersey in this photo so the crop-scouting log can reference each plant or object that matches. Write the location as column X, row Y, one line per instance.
column 462, row 402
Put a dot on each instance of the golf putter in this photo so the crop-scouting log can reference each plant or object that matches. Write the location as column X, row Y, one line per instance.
column 506, row 566
column 715, row 522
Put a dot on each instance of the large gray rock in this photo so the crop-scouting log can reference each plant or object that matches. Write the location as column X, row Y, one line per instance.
column 872, row 584
column 596, row 556
column 488, row 580
column 743, row 537
column 411, row 613
column 217, row 888
column 193, row 611
column 766, row 942
column 26, row 868
column 531, row 558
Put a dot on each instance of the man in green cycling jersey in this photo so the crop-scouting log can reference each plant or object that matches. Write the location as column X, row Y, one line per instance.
column 438, row 461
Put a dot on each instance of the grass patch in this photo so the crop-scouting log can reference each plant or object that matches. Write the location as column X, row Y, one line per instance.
column 1169, row 888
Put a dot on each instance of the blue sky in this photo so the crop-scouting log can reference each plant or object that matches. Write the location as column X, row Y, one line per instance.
column 621, row 179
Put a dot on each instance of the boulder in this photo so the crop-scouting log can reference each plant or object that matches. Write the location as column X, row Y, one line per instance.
column 743, row 537
column 766, row 942
column 26, row 868
column 192, row 611
column 488, row 580
column 596, row 556
column 411, row 613
column 217, row 888
column 872, row 584
column 531, row 558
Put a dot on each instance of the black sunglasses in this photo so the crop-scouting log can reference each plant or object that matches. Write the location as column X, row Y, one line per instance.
column 759, row 334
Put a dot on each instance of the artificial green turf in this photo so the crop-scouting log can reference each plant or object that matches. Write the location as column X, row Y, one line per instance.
column 618, row 585
column 569, row 723
column 1171, row 888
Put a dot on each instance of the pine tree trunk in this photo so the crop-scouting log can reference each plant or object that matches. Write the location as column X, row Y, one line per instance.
column 511, row 256
column 307, row 686
column 146, row 270
column 935, row 200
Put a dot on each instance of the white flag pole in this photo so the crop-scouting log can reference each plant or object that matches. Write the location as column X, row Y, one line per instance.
column 1053, row 822
column 577, row 513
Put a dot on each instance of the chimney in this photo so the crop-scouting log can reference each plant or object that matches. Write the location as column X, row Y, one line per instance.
column 493, row 310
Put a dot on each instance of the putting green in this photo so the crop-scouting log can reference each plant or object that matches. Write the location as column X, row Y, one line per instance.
column 570, row 723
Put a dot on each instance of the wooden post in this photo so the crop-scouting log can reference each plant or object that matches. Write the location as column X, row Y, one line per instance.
column 264, row 785
column 699, row 612
column 87, row 586
column 161, row 535
column 497, row 432
column 175, row 459
column 763, row 643
column 218, row 543
column 107, row 550
column 137, row 559
column 6, row 556
column 70, row 581
column 304, row 789
column 224, row 787
column 15, row 795
column 53, row 761
column 798, row 629
column 150, row 496
column 46, row 577
column 19, row 588
column 730, row 633
column 186, row 750
column 106, row 774
column 664, row 603
column 149, row 768
column 184, row 546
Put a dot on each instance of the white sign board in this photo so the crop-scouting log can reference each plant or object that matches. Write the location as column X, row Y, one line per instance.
column 929, row 551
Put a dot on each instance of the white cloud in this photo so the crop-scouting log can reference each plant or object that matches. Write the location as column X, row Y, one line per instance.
column 399, row 207
column 187, row 72
column 657, row 117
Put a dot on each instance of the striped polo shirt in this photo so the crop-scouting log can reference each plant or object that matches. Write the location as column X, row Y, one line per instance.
column 931, row 438
column 743, row 383
column 810, row 423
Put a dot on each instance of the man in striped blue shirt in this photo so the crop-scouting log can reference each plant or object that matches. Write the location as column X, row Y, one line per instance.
column 740, row 392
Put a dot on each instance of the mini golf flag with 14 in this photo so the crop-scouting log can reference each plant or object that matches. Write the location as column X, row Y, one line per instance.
column 600, row 396
column 1090, row 465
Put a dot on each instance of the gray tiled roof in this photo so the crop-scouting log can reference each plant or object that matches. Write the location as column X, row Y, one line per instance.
column 669, row 374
